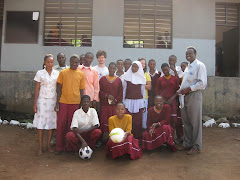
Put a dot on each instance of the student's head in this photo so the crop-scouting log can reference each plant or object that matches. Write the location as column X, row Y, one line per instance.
column 165, row 69
column 88, row 59
column 120, row 110
column 61, row 58
column 184, row 65
column 135, row 67
column 74, row 62
column 143, row 62
column 191, row 53
column 82, row 59
column 152, row 64
column 112, row 68
column 85, row 102
column 127, row 64
column 48, row 61
column 120, row 64
column 158, row 102
column 172, row 60
column 101, row 56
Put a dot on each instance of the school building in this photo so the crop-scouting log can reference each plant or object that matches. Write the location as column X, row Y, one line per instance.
column 154, row 29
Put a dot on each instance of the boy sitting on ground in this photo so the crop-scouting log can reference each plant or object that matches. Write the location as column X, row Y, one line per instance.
column 84, row 127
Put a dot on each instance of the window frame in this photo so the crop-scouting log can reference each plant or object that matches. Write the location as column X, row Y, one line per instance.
column 76, row 39
column 226, row 20
column 155, row 33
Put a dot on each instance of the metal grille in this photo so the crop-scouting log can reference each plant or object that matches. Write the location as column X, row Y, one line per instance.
column 227, row 14
column 147, row 23
column 68, row 23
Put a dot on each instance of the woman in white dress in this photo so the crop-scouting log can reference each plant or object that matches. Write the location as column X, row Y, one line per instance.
column 44, row 101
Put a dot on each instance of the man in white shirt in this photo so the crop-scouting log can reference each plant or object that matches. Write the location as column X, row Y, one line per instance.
column 194, row 81
column 84, row 127
column 101, row 68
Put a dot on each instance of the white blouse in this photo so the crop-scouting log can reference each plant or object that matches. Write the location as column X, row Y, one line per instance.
column 48, row 83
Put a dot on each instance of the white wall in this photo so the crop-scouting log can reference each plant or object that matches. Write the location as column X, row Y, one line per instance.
column 193, row 24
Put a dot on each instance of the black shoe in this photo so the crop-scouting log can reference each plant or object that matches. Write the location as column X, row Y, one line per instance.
column 58, row 152
column 98, row 144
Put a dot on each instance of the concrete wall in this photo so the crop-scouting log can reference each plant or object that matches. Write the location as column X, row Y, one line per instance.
column 193, row 24
column 222, row 96
column 17, row 91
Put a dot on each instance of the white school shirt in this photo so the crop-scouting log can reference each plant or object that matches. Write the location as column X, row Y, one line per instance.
column 48, row 83
column 179, row 72
column 195, row 76
column 101, row 71
column 83, row 121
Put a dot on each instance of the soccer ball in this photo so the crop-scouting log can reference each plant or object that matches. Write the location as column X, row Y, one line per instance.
column 117, row 135
column 85, row 153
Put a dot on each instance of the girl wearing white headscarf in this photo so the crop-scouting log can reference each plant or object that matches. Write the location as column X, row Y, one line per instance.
column 133, row 93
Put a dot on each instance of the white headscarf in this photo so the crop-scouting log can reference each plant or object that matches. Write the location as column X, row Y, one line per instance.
column 137, row 77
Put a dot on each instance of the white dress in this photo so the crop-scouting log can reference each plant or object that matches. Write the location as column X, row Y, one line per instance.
column 46, row 117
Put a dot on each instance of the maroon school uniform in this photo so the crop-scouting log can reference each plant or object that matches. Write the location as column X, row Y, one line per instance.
column 151, row 93
column 167, row 88
column 107, row 110
column 162, row 134
column 133, row 91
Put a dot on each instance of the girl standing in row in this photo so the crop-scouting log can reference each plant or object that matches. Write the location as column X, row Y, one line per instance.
column 45, row 117
column 133, row 94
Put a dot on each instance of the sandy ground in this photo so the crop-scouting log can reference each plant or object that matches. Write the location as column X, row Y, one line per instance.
column 220, row 159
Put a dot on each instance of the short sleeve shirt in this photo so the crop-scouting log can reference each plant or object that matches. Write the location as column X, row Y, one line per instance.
column 83, row 121
column 125, row 123
column 47, row 83
column 72, row 81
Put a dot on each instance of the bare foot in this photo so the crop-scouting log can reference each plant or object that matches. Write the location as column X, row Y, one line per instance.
column 50, row 149
column 40, row 151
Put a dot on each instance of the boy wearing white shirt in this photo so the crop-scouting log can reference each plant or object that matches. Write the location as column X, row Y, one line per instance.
column 101, row 68
column 84, row 127
column 194, row 81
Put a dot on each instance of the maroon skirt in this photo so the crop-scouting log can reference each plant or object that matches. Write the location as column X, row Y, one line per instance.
column 128, row 146
column 105, row 113
column 161, row 135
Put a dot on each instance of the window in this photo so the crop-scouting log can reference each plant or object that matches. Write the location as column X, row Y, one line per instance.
column 147, row 23
column 226, row 14
column 21, row 28
column 68, row 23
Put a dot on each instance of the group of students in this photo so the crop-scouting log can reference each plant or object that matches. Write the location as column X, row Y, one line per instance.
column 125, row 95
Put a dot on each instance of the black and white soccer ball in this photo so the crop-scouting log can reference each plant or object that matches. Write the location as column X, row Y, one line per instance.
column 85, row 153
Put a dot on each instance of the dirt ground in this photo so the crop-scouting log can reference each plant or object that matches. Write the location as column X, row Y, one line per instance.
column 220, row 159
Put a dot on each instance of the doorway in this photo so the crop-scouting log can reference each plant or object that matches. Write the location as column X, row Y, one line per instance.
column 227, row 40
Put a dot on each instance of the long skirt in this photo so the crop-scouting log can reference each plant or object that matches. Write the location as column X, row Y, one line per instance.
column 137, row 124
column 128, row 146
column 161, row 135
column 174, row 112
column 46, row 117
column 179, row 125
column 105, row 113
